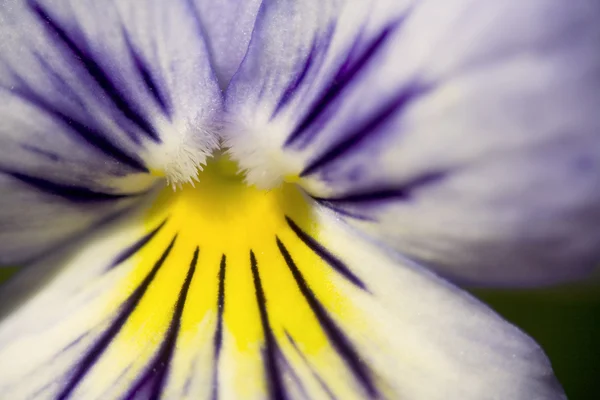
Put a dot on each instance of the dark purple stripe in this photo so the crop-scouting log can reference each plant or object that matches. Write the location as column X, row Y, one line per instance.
column 137, row 246
column 220, row 305
column 65, row 87
column 153, row 88
column 201, row 31
column 366, row 130
column 293, row 86
column 291, row 376
column 67, row 91
column 343, row 212
column 73, row 343
column 273, row 374
column 91, row 136
column 314, row 373
column 75, row 194
column 94, row 354
column 325, row 255
column 313, row 62
column 403, row 192
column 345, row 74
column 156, row 373
column 335, row 335
column 44, row 153
column 96, row 72
column 38, row 393
column 56, row 356
column 218, row 339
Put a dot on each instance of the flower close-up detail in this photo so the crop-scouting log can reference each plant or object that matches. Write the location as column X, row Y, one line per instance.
column 249, row 199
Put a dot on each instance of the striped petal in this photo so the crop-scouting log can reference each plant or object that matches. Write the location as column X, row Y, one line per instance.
column 93, row 97
column 463, row 133
column 228, row 291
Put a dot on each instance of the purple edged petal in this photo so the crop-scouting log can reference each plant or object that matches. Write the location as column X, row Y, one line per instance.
column 94, row 96
column 463, row 134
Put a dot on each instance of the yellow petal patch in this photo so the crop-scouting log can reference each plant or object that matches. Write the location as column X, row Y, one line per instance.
column 234, row 291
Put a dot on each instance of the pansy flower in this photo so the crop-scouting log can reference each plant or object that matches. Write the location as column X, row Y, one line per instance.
column 269, row 199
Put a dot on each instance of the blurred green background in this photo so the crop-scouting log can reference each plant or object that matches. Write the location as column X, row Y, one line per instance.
column 565, row 321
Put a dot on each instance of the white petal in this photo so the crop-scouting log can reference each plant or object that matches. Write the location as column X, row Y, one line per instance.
column 195, row 306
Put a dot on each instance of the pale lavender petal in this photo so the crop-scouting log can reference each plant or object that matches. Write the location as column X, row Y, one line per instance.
column 228, row 25
column 94, row 96
column 463, row 133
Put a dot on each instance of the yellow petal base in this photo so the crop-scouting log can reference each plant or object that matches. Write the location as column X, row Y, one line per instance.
column 253, row 285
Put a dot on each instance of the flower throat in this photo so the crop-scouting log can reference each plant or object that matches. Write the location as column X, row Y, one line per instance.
column 228, row 259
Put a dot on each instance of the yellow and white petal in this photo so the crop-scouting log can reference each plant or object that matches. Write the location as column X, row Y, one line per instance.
column 229, row 291
column 56, row 310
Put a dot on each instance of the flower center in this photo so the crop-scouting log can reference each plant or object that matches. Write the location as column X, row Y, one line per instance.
column 226, row 263
column 222, row 212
